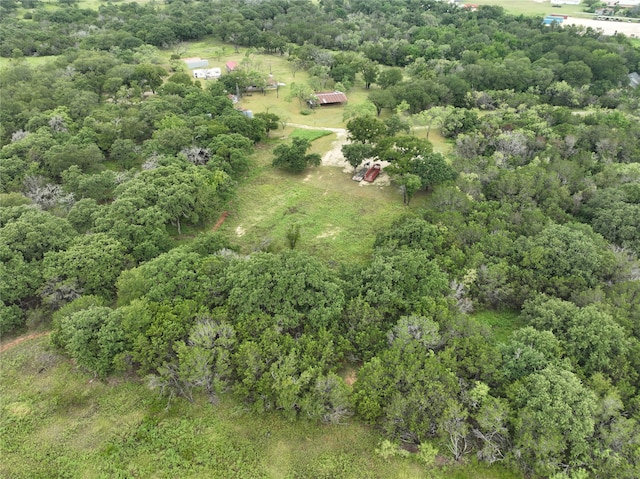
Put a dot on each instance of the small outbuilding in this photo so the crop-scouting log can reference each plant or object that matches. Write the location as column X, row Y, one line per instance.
column 231, row 66
column 634, row 79
column 551, row 19
column 328, row 98
column 245, row 112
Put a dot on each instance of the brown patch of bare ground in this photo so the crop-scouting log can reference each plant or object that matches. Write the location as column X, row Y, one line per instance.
column 21, row 339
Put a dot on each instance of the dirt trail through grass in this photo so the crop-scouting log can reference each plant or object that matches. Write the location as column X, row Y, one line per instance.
column 21, row 339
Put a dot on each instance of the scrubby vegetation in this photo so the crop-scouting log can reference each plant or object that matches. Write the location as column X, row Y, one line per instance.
column 494, row 319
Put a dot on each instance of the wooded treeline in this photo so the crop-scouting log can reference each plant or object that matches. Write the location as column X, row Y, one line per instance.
column 482, row 50
column 537, row 210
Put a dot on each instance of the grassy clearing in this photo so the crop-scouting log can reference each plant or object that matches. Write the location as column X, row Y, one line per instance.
column 502, row 323
column 310, row 135
column 57, row 422
column 95, row 4
column 339, row 218
column 533, row 7
column 31, row 61
column 218, row 53
column 439, row 142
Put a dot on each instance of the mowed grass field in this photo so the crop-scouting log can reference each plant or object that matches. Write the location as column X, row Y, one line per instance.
column 271, row 101
column 58, row 422
column 338, row 217
column 533, row 7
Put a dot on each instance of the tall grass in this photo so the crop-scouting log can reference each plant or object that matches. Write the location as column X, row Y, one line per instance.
column 58, row 422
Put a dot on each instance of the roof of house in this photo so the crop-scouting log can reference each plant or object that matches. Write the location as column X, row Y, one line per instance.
column 634, row 79
column 231, row 65
column 328, row 97
column 195, row 62
column 548, row 20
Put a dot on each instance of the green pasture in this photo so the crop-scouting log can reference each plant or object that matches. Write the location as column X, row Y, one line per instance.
column 95, row 4
column 338, row 218
column 31, row 61
column 533, row 7
column 58, row 422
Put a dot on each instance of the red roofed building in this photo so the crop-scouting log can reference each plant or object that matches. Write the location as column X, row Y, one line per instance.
column 231, row 66
column 329, row 98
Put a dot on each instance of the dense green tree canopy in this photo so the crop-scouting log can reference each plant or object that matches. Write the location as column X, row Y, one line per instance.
column 92, row 261
column 294, row 157
column 298, row 291
column 554, row 419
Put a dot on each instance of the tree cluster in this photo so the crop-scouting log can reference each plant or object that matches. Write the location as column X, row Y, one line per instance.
column 95, row 180
column 413, row 164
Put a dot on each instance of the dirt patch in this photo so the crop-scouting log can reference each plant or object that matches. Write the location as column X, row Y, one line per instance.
column 334, row 157
column 220, row 221
column 332, row 233
column 18, row 409
column 21, row 339
column 350, row 376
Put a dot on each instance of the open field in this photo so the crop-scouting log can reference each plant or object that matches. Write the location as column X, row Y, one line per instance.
column 57, row 422
column 338, row 217
column 608, row 27
column 32, row 61
column 532, row 7
column 575, row 12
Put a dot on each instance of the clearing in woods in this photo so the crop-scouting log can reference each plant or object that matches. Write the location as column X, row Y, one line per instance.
column 55, row 418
